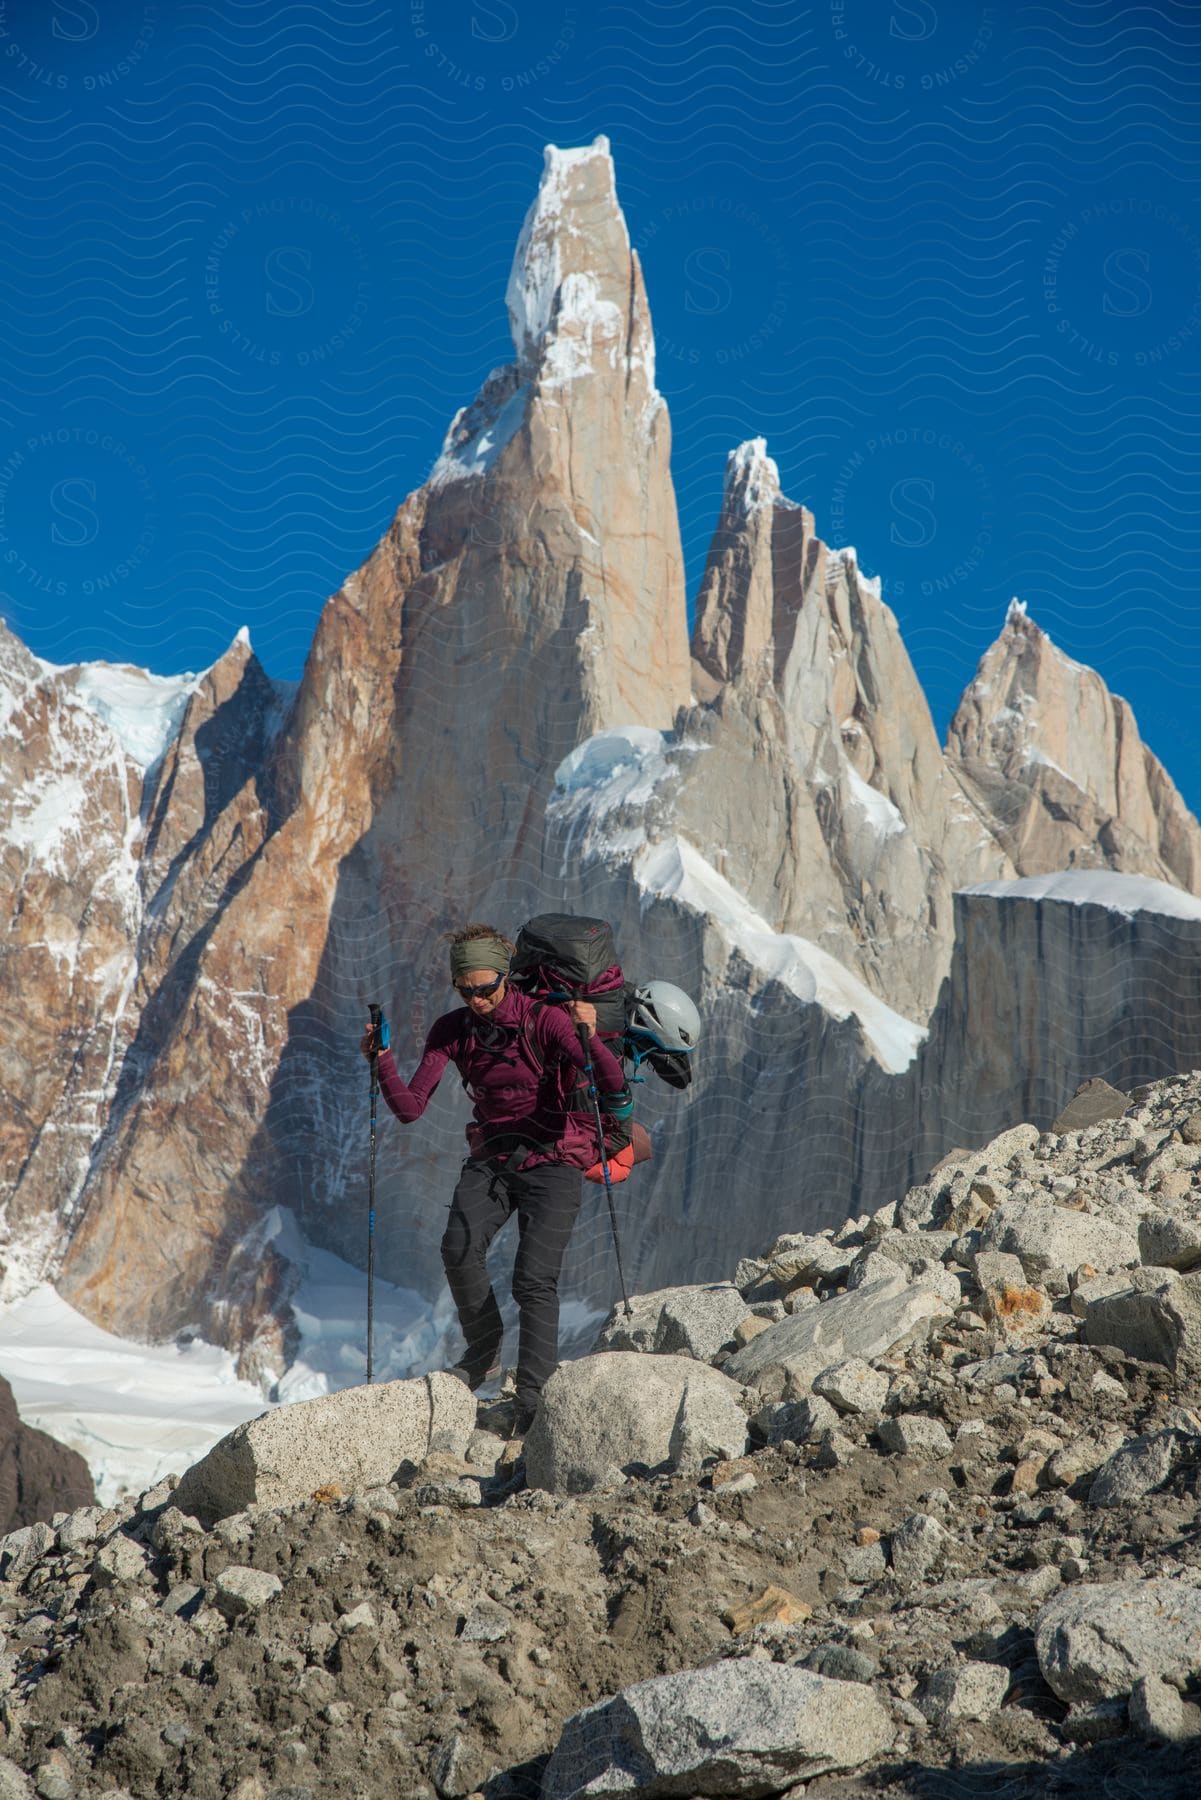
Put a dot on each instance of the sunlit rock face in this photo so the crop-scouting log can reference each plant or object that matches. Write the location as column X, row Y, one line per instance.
column 1056, row 765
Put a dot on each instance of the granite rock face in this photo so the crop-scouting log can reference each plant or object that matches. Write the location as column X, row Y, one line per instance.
column 812, row 717
column 1055, row 764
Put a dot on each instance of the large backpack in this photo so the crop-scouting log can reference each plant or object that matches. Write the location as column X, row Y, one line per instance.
column 562, row 957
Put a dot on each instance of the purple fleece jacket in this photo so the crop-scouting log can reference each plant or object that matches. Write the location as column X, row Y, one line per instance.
column 509, row 1094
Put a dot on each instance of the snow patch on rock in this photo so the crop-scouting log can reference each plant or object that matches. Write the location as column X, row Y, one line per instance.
column 478, row 453
column 882, row 815
column 143, row 711
column 676, row 870
column 1125, row 894
column 536, row 274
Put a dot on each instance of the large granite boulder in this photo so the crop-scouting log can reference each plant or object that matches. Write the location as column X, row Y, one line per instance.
column 606, row 1414
column 785, row 1359
column 734, row 1729
column 1096, row 1640
column 357, row 1439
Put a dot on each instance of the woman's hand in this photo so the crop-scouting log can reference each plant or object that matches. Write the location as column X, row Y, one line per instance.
column 582, row 1012
column 373, row 1040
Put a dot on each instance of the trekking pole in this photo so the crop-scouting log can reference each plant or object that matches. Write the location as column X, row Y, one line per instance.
column 594, row 1096
column 376, row 1016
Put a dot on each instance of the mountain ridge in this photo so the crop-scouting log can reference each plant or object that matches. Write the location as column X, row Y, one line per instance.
column 304, row 851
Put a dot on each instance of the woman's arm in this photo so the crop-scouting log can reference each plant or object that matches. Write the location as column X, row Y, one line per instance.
column 408, row 1100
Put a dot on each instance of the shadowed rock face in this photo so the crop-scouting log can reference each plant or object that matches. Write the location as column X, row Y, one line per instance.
column 203, row 928
column 38, row 1476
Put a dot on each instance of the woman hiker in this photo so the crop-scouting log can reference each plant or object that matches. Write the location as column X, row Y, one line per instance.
column 527, row 1150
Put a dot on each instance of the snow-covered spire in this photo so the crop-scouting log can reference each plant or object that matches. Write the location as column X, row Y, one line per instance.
column 571, row 180
column 752, row 478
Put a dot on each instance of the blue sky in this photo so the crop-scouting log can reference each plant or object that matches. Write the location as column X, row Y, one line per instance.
column 946, row 259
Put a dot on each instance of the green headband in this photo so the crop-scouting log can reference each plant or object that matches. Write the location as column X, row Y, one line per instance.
column 478, row 953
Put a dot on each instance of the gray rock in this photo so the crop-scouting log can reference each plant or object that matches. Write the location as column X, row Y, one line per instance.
column 699, row 1321
column 21, row 1550
column 635, row 1330
column 972, row 1690
column 916, row 1546
column 242, row 1590
column 994, row 1371
column 1167, row 1242
column 486, row 1623
column 834, row 1451
column 359, row 1618
column 1047, row 1237
column 1159, row 1323
column 853, row 1386
column 1093, row 1102
column 679, row 1321
column 735, row 1728
column 864, row 1563
column 997, row 1268
column 841, row 1662
column 1095, row 1641
column 1098, row 1287
column 751, row 1275
column 462, row 1495
column 911, row 1249
column 80, row 1529
column 1158, row 1712
column 913, row 1434
column 356, row 1439
column 867, row 1323
column 119, row 1560
column 14, row 1782
column 603, row 1414
column 1138, row 1468
column 871, row 1268
column 450, row 1769
column 802, row 1421
column 181, row 1596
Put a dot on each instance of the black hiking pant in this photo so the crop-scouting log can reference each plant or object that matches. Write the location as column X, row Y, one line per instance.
column 546, row 1200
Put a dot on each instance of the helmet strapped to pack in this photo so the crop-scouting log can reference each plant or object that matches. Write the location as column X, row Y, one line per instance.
column 661, row 1017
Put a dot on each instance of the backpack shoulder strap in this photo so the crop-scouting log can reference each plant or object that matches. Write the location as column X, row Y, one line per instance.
column 527, row 1040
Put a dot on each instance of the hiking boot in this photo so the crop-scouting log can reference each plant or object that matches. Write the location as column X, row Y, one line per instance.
column 470, row 1378
column 509, row 1417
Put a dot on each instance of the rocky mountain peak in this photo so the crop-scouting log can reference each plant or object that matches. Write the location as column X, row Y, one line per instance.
column 752, row 478
column 753, row 581
column 575, row 297
column 1057, row 765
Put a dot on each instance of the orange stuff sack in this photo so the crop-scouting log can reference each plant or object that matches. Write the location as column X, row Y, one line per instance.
column 639, row 1149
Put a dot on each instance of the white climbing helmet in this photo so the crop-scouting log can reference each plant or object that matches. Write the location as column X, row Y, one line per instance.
column 666, row 1014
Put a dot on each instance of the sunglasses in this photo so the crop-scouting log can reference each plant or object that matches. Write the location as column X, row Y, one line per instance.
column 483, row 992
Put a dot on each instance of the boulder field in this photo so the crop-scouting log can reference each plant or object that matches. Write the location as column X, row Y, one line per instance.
column 908, row 1508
